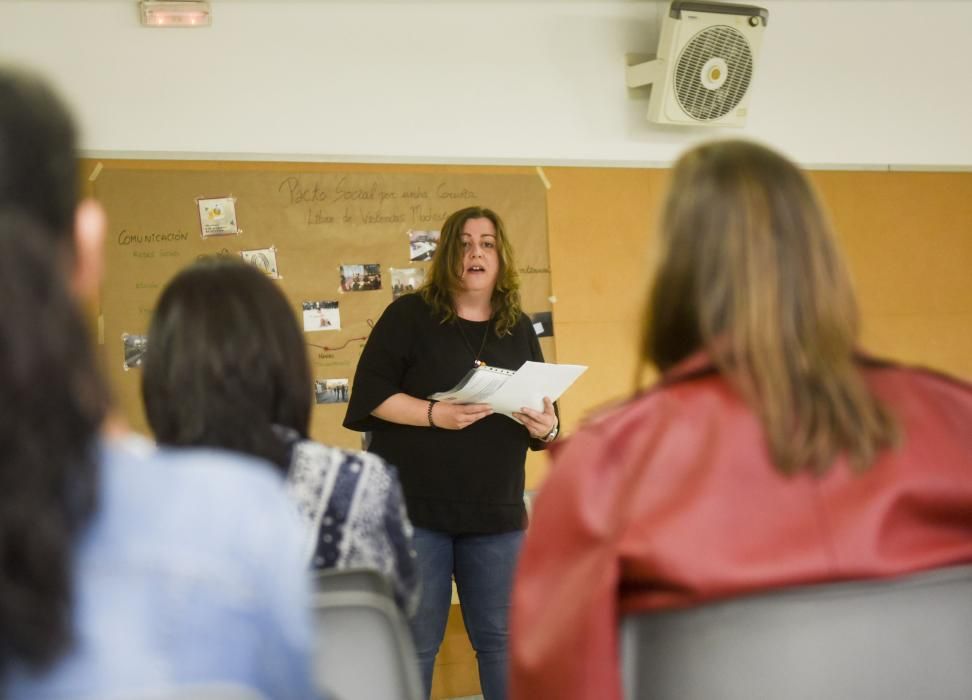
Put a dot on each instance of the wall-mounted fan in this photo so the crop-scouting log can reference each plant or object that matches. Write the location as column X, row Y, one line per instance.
column 704, row 69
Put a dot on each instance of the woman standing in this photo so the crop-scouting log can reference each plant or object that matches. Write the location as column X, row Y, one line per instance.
column 461, row 467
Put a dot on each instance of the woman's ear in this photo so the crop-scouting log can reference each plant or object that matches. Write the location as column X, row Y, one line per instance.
column 90, row 224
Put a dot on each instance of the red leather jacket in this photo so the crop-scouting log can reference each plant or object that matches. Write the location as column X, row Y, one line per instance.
column 671, row 500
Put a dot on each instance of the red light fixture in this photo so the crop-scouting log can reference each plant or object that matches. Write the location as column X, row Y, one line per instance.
column 175, row 13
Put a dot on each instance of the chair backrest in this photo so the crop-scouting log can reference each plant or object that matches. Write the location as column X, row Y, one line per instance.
column 364, row 648
column 359, row 579
column 201, row 691
column 878, row 640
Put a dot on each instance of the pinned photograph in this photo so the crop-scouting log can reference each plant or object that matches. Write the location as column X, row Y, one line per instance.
column 422, row 245
column 321, row 316
column 331, row 390
column 542, row 324
column 360, row 278
column 134, row 350
column 406, row 280
column 217, row 216
column 263, row 258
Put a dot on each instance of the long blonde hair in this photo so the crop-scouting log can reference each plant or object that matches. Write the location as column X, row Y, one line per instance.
column 751, row 273
column 444, row 274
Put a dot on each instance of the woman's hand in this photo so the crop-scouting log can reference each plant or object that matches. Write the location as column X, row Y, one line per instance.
column 538, row 423
column 456, row 416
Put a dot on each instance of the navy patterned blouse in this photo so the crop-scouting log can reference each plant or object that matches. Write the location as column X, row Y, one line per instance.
column 351, row 503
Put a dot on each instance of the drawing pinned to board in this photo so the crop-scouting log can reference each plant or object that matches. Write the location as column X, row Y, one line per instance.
column 263, row 258
column 134, row 350
column 331, row 390
column 360, row 278
column 217, row 216
column 406, row 280
column 321, row 315
column 422, row 245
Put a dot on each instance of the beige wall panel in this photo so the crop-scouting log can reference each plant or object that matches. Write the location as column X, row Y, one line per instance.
column 942, row 342
column 456, row 673
column 908, row 241
column 907, row 236
column 601, row 223
column 611, row 351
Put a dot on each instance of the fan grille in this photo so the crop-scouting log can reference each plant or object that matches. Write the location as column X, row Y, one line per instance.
column 695, row 98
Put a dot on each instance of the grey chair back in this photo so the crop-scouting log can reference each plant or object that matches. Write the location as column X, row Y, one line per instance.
column 200, row 691
column 365, row 650
column 909, row 637
column 360, row 579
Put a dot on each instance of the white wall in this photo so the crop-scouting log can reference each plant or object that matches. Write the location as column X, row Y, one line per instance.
column 839, row 82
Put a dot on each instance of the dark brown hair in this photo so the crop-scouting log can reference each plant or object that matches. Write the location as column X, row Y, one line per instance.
column 226, row 362
column 444, row 274
column 52, row 398
column 750, row 272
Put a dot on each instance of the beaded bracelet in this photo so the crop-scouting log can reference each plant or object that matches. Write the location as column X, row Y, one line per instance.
column 429, row 414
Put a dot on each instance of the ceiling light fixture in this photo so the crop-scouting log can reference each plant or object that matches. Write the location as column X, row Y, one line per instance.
column 175, row 13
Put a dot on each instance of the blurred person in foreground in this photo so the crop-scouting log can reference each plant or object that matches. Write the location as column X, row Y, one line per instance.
column 771, row 453
column 226, row 367
column 125, row 571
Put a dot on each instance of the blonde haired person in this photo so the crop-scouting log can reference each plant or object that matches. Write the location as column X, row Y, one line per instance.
column 461, row 467
column 771, row 453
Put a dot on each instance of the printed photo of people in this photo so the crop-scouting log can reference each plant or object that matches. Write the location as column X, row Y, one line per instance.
column 331, row 390
column 422, row 245
column 321, row 316
column 134, row 350
column 360, row 278
column 406, row 280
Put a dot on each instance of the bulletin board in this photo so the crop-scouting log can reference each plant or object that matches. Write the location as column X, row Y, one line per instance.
column 341, row 244
column 907, row 237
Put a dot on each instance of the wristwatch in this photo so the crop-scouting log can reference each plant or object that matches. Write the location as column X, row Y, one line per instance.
column 549, row 437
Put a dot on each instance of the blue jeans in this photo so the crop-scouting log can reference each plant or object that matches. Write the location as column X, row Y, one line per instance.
column 483, row 568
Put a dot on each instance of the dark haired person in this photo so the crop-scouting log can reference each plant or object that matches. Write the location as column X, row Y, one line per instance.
column 770, row 454
column 226, row 367
column 462, row 468
column 121, row 574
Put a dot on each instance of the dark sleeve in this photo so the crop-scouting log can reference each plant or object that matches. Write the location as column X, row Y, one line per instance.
column 536, row 355
column 382, row 365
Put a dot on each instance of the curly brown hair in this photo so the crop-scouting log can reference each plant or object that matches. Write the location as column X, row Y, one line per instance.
column 443, row 280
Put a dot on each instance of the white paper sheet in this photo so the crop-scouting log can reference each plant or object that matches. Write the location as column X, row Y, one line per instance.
column 507, row 392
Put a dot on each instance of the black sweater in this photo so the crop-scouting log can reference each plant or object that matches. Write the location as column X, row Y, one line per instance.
column 455, row 481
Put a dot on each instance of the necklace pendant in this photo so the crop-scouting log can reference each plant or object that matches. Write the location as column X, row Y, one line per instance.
column 482, row 346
